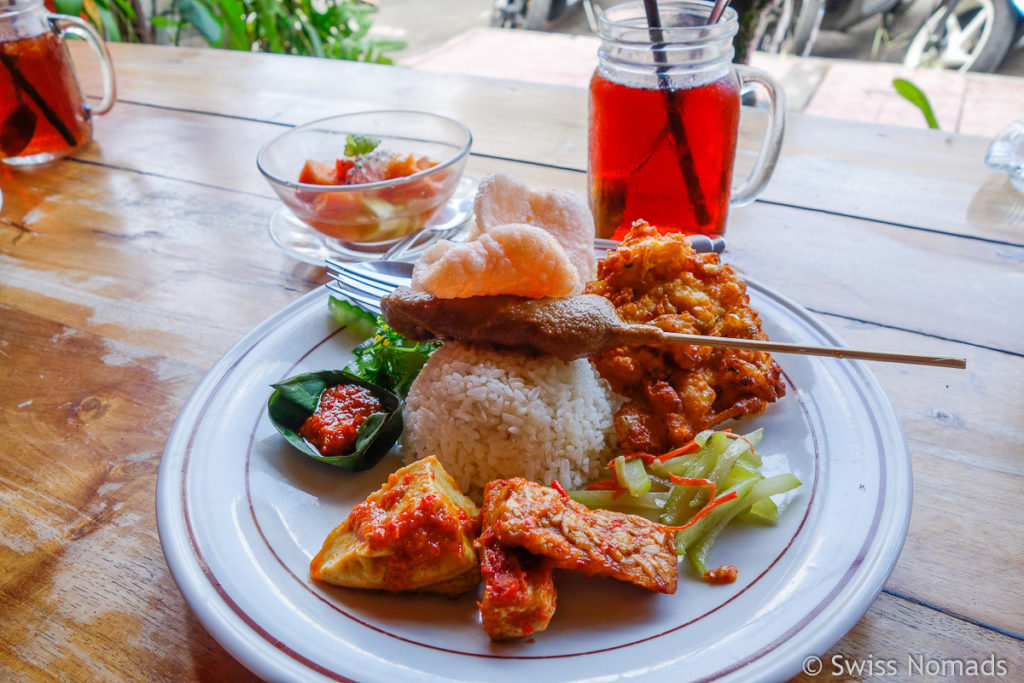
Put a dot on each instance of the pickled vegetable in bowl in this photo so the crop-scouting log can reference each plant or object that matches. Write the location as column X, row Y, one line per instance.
column 368, row 178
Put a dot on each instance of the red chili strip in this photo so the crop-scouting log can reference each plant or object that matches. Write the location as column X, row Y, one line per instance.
column 728, row 433
column 705, row 510
column 685, row 481
column 685, row 449
column 558, row 487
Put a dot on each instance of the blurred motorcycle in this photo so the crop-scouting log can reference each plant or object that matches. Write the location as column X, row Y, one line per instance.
column 792, row 26
column 966, row 35
column 537, row 15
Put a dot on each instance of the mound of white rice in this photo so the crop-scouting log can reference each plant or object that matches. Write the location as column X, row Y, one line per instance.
column 490, row 415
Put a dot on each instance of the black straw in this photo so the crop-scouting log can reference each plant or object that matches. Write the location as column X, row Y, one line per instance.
column 717, row 11
column 23, row 83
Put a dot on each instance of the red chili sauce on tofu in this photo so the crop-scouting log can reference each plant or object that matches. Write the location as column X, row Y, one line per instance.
column 333, row 426
column 413, row 535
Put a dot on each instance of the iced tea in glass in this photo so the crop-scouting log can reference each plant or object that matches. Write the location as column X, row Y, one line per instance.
column 42, row 112
column 664, row 116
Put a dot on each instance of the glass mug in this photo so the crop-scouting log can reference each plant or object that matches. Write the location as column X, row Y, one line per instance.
column 42, row 112
column 663, row 120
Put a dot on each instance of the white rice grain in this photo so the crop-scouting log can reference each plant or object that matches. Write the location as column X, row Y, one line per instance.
column 491, row 415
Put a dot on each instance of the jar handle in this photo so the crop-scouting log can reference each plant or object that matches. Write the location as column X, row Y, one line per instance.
column 66, row 24
column 771, row 143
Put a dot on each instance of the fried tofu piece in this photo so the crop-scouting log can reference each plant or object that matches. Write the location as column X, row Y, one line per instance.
column 596, row 542
column 414, row 534
column 519, row 590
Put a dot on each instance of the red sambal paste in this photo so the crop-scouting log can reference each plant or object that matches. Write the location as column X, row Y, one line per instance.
column 342, row 410
column 413, row 533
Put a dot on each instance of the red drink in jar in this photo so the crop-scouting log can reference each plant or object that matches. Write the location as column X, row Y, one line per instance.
column 675, row 175
column 41, row 108
column 664, row 117
column 42, row 113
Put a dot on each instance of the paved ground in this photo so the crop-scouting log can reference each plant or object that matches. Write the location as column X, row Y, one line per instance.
column 839, row 80
column 427, row 25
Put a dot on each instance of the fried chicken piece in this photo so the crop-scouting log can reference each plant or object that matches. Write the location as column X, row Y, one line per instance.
column 519, row 590
column 414, row 534
column 675, row 391
column 596, row 542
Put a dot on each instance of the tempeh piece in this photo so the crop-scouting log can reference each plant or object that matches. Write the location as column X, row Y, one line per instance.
column 596, row 542
column 519, row 591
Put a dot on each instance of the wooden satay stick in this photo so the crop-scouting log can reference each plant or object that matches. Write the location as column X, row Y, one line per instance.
column 652, row 335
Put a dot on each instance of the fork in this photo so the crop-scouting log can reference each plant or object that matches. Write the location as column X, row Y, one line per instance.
column 362, row 286
column 365, row 282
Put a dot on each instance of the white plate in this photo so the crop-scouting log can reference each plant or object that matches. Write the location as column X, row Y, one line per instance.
column 241, row 514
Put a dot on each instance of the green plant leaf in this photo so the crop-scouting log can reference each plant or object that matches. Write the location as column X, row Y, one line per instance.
column 160, row 21
column 266, row 21
column 72, row 7
column 316, row 45
column 916, row 97
column 328, row 28
column 199, row 15
column 127, row 11
column 303, row 391
column 232, row 14
column 101, row 17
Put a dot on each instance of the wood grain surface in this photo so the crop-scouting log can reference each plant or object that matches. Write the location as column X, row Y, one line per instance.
column 128, row 270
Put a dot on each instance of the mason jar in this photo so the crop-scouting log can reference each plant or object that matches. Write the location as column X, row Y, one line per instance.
column 664, row 115
column 43, row 115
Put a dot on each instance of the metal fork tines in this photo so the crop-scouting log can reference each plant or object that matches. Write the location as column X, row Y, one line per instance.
column 362, row 280
column 368, row 302
column 378, row 277
column 366, row 282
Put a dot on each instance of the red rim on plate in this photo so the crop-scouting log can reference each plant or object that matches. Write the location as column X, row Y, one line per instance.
column 240, row 515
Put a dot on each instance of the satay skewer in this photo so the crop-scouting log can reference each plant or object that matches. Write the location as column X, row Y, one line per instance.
column 578, row 327
column 645, row 334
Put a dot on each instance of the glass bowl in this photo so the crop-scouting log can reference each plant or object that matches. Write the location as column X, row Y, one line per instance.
column 363, row 221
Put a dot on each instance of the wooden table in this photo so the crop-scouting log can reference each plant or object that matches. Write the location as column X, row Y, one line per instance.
column 128, row 270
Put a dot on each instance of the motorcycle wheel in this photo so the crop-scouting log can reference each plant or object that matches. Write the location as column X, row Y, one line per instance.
column 787, row 27
column 534, row 15
column 975, row 37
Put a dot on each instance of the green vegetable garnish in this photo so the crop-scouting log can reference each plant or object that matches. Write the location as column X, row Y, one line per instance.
column 296, row 398
column 386, row 359
column 362, row 322
column 699, row 488
column 356, row 145
column 631, row 475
